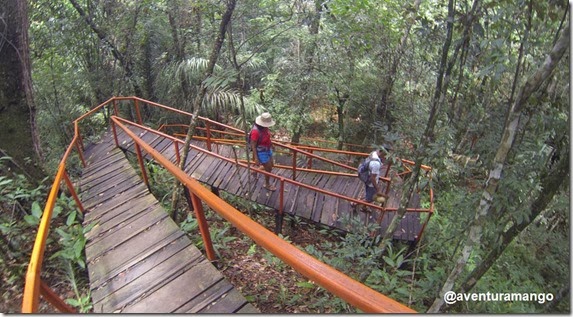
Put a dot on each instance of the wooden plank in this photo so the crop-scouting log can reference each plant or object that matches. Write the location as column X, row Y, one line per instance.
column 96, row 211
column 154, row 273
column 213, row 172
column 214, row 167
column 163, row 146
column 117, row 160
column 233, row 175
column 248, row 309
column 108, row 193
column 318, row 206
column 133, row 211
column 122, row 232
column 329, row 211
column 114, row 207
column 306, row 196
column 231, row 302
column 115, row 163
column 201, row 167
column 100, row 150
column 290, row 201
column 169, row 153
column 122, row 275
column 108, row 179
column 105, row 144
column 163, row 300
column 209, row 297
column 101, row 175
column 225, row 172
column 123, row 253
column 240, row 187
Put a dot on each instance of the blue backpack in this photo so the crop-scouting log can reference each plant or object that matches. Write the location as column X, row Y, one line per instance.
column 364, row 170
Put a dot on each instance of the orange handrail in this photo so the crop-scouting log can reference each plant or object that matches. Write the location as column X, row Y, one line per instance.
column 355, row 293
column 280, row 178
column 341, row 285
column 34, row 286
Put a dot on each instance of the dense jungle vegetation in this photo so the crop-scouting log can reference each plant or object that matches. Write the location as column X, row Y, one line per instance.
column 477, row 89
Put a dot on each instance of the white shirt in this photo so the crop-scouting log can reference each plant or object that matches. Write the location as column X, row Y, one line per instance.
column 374, row 166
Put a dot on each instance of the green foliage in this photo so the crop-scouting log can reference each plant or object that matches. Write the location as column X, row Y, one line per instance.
column 20, row 216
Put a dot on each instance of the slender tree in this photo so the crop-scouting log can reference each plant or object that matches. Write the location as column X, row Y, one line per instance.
column 104, row 37
column 389, row 79
column 551, row 182
column 428, row 136
column 215, row 52
column 509, row 135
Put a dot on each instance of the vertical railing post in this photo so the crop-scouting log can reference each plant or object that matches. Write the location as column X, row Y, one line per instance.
column 177, row 154
column 294, row 164
column 208, row 126
column 115, row 109
column 73, row 192
column 137, row 112
column 309, row 164
column 54, row 299
column 203, row 227
column 280, row 212
column 141, row 164
column 388, row 169
column 80, row 140
column 430, row 213
column 80, row 152
column 114, row 133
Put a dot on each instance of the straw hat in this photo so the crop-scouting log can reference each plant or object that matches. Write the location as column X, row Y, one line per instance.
column 265, row 120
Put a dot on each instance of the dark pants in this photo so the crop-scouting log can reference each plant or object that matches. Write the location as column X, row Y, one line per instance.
column 370, row 191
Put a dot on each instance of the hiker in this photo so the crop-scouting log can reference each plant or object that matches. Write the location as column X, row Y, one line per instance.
column 372, row 167
column 260, row 140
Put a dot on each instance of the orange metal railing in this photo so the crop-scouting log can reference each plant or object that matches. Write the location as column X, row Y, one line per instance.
column 339, row 284
column 355, row 293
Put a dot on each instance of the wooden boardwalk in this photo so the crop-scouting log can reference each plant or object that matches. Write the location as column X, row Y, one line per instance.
column 299, row 201
column 138, row 260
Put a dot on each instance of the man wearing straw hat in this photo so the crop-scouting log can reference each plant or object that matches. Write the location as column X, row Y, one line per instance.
column 261, row 144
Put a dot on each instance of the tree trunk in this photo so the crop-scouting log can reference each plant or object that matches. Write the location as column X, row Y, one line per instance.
column 18, row 131
column 412, row 182
column 551, row 182
column 201, row 95
column 495, row 174
column 127, row 67
column 389, row 79
column 304, row 86
column 340, row 113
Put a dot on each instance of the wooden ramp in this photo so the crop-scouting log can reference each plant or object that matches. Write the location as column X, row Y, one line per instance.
column 138, row 260
column 299, row 201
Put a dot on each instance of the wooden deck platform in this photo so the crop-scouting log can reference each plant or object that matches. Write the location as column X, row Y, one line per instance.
column 138, row 260
column 303, row 202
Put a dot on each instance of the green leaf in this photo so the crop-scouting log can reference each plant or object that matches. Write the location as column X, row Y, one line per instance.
column 56, row 212
column 305, row 285
column 31, row 220
column 36, row 210
column 71, row 218
column 389, row 261
column 4, row 182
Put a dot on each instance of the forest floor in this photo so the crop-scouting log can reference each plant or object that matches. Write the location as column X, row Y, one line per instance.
column 269, row 284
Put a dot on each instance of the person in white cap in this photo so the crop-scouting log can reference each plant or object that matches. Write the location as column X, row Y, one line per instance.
column 260, row 139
